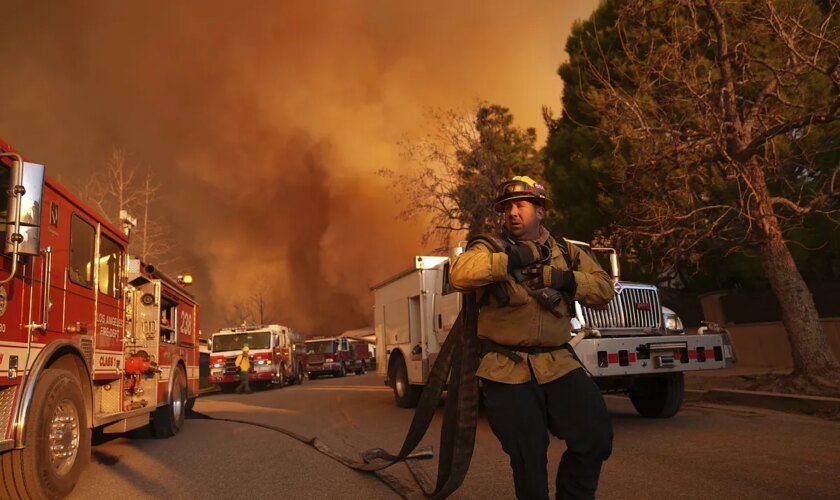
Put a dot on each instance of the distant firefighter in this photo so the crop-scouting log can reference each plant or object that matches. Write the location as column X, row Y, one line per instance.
column 243, row 362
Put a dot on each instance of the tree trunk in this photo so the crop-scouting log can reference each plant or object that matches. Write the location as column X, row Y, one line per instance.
column 813, row 358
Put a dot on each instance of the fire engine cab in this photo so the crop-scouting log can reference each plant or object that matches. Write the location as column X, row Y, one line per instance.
column 277, row 356
column 88, row 337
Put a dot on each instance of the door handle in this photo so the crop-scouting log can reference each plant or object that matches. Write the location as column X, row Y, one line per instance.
column 45, row 312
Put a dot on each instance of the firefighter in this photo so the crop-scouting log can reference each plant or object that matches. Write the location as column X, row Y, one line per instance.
column 243, row 362
column 526, row 282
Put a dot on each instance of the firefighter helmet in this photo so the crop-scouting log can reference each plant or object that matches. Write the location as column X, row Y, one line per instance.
column 521, row 187
column 246, row 349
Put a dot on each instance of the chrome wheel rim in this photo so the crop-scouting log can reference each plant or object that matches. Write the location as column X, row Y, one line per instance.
column 177, row 403
column 64, row 437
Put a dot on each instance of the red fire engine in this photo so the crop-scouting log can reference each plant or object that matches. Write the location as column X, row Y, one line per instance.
column 88, row 338
column 276, row 351
column 336, row 356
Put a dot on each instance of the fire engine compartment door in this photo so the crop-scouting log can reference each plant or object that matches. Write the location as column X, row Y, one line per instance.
column 146, row 318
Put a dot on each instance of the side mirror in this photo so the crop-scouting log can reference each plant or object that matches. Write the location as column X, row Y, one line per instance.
column 23, row 224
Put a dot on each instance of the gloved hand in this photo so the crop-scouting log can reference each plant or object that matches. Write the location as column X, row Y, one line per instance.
column 542, row 276
column 525, row 253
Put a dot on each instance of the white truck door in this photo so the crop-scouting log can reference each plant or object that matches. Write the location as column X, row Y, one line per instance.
column 446, row 307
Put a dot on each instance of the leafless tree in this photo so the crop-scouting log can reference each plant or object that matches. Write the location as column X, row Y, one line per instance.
column 153, row 241
column 112, row 190
column 722, row 120
column 119, row 188
column 255, row 309
column 452, row 173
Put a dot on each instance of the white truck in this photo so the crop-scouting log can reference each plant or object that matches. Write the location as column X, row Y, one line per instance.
column 634, row 345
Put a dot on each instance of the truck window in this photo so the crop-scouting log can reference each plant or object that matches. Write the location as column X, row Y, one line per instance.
column 236, row 341
column 110, row 264
column 320, row 347
column 168, row 317
column 80, row 267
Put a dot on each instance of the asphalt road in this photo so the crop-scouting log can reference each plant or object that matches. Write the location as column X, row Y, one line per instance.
column 704, row 452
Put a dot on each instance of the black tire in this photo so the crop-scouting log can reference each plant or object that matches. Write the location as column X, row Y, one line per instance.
column 168, row 419
column 405, row 394
column 312, row 376
column 38, row 470
column 658, row 397
column 361, row 369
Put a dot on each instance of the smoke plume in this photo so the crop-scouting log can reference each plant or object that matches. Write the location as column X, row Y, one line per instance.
column 267, row 122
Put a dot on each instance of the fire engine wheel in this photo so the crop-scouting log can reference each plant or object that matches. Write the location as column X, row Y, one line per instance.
column 405, row 394
column 57, row 441
column 658, row 397
column 361, row 369
column 168, row 419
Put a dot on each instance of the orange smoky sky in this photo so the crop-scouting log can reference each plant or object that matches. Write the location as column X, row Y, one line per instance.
column 266, row 122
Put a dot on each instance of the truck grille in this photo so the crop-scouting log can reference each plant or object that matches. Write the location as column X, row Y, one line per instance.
column 636, row 307
column 230, row 364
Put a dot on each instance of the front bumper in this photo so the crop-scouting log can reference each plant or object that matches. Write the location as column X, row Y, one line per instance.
column 230, row 378
column 322, row 368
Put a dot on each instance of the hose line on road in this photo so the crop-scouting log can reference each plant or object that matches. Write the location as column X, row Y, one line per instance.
column 456, row 363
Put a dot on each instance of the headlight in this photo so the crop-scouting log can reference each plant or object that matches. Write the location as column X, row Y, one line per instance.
column 218, row 365
column 673, row 323
column 261, row 362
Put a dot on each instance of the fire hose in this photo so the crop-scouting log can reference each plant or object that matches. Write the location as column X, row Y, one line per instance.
column 456, row 363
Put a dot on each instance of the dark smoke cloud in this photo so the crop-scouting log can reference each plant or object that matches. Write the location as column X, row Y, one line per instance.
column 267, row 121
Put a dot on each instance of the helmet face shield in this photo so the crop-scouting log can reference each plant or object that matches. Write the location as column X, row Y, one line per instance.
column 521, row 188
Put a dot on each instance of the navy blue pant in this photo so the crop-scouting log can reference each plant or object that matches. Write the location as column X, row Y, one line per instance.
column 572, row 409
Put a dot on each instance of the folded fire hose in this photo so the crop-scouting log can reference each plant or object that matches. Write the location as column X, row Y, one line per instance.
column 454, row 370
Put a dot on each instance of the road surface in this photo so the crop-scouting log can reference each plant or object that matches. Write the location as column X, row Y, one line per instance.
column 704, row 452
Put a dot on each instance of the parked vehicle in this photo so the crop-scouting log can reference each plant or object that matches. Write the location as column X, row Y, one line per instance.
column 88, row 337
column 336, row 356
column 636, row 345
column 276, row 351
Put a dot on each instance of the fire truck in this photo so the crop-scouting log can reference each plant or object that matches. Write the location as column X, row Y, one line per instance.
column 88, row 337
column 277, row 356
column 633, row 345
column 336, row 356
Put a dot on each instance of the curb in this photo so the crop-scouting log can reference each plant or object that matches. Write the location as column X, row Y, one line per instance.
column 791, row 403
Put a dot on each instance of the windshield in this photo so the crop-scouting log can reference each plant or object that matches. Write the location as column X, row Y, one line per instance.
column 320, row 347
column 236, row 341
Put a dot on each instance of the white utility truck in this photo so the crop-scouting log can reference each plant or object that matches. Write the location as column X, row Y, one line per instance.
column 634, row 345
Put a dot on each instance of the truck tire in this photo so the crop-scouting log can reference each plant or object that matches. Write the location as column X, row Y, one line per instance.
column 405, row 394
column 57, row 441
column 362, row 369
column 658, row 397
column 168, row 419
